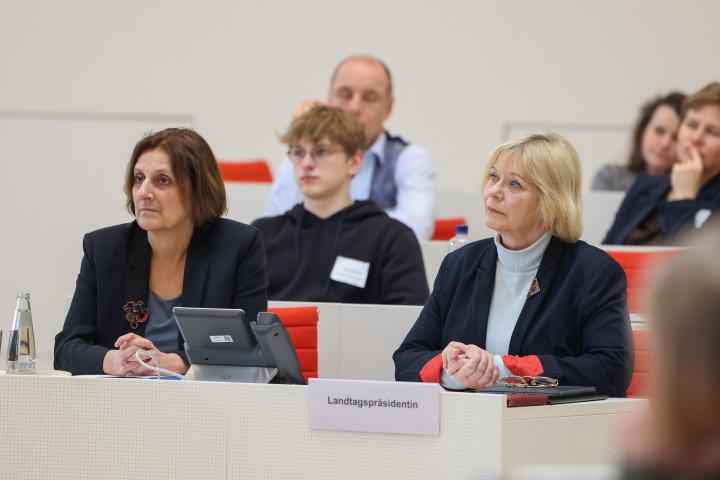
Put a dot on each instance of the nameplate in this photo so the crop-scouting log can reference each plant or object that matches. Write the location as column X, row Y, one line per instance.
column 382, row 407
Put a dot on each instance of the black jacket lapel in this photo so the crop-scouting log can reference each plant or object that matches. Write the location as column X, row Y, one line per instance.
column 644, row 206
column 137, row 275
column 484, row 283
column 196, row 268
column 545, row 273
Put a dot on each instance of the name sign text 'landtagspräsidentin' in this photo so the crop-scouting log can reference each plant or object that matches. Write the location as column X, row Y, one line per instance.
column 369, row 406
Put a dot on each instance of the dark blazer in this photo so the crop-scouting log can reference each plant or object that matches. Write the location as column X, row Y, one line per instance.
column 648, row 194
column 224, row 268
column 577, row 324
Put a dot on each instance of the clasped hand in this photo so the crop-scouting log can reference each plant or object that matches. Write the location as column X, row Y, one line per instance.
column 470, row 365
column 123, row 362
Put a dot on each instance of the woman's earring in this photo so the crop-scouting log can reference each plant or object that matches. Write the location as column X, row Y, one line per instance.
column 546, row 228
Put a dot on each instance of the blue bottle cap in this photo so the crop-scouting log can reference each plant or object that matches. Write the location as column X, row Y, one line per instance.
column 461, row 229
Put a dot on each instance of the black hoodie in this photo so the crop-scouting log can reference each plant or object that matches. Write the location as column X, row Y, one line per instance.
column 302, row 249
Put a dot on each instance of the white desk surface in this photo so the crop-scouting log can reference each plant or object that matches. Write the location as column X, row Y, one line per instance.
column 124, row 428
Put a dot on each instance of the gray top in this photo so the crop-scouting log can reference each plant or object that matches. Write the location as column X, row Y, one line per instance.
column 161, row 328
column 613, row 177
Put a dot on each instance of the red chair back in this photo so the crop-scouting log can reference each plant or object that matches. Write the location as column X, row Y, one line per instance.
column 639, row 384
column 246, row 171
column 445, row 227
column 637, row 265
column 301, row 324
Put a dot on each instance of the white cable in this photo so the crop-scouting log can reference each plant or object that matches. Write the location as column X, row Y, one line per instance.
column 157, row 369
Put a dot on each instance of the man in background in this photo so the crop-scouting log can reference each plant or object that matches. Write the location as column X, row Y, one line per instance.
column 398, row 176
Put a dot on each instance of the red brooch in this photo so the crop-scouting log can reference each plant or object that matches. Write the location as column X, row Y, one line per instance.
column 135, row 313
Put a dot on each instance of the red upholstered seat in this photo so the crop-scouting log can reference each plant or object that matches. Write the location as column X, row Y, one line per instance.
column 445, row 227
column 301, row 324
column 639, row 384
column 246, row 171
column 637, row 264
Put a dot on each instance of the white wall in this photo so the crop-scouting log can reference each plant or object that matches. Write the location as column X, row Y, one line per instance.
column 82, row 80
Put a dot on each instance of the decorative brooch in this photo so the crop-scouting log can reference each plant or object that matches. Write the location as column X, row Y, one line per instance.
column 534, row 288
column 135, row 313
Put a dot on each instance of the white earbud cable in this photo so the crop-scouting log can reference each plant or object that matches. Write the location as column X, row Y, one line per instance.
column 156, row 369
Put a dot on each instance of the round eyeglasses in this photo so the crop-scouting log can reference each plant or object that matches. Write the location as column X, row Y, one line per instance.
column 319, row 154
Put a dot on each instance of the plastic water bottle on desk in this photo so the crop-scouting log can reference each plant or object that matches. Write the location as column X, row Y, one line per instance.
column 460, row 238
column 21, row 342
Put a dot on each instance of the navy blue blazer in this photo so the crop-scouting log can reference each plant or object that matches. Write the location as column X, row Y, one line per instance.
column 224, row 268
column 647, row 194
column 577, row 324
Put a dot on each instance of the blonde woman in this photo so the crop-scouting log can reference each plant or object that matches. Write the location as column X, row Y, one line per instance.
column 534, row 300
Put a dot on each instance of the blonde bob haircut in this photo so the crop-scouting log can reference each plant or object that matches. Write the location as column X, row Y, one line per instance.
column 551, row 163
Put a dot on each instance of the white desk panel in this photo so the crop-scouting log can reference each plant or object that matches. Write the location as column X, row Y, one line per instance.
column 370, row 334
column 298, row 452
column 126, row 428
column 532, row 435
column 111, row 428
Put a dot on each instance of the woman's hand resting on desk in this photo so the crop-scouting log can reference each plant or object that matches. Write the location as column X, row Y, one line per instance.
column 470, row 365
column 122, row 362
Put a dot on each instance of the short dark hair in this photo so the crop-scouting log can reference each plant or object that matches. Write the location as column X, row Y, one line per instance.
column 674, row 100
column 708, row 95
column 366, row 58
column 332, row 123
column 195, row 168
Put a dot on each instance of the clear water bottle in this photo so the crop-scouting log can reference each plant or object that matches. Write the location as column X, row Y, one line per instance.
column 460, row 238
column 21, row 344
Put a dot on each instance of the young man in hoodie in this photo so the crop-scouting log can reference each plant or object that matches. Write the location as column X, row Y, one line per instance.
column 331, row 248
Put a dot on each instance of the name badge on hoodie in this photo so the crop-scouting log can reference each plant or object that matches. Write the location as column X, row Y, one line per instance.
column 350, row 271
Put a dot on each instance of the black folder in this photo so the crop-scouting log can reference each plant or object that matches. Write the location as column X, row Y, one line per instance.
column 555, row 395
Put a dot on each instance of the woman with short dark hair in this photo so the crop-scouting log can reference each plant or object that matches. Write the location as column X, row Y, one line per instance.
column 177, row 252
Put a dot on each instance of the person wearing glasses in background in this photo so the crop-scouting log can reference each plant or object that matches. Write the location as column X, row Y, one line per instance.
column 398, row 176
column 659, row 208
column 177, row 252
column 331, row 248
column 533, row 301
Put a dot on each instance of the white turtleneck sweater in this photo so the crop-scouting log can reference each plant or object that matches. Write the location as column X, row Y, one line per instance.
column 513, row 278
